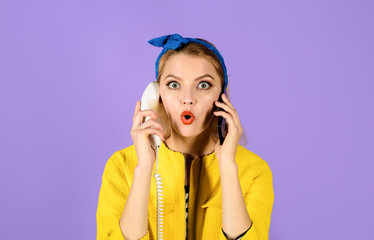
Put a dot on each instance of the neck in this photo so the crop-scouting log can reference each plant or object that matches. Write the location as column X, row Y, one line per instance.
column 194, row 146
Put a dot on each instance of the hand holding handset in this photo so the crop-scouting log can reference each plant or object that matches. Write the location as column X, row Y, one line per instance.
column 150, row 100
column 141, row 131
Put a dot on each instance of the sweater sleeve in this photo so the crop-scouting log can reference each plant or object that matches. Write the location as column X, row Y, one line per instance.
column 238, row 237
column 112, row 198
column 259, row 203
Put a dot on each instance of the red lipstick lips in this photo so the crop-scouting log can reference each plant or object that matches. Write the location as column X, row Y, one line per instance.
column 187, row 117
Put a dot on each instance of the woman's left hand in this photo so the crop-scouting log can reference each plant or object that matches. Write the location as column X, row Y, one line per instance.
column 227, row 151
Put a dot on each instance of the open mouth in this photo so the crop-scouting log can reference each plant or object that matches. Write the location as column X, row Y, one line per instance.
column 187, row 117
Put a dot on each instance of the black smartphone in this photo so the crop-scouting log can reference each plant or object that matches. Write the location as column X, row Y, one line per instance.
column 221, row 121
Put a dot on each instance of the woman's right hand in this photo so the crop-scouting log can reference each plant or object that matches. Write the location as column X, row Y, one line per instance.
column 140, row 132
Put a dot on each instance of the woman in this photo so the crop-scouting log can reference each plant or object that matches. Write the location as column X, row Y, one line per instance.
column 229, row 190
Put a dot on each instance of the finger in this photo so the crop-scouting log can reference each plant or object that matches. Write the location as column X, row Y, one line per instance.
column 237, row 127
column 226, row 100
column 228, row 118
column 225, row 107
column 150, row 131
column 137, row 108
column 228, row 107
column 140, row 117
column 151, row 123
column 150, row 114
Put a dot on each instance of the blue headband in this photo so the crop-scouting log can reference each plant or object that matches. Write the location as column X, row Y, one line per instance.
column 175, row 41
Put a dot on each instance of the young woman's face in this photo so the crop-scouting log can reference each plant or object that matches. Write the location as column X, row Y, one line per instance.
column 189, row 83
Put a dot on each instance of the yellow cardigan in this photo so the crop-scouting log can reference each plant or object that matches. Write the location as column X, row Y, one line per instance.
column 205, row 200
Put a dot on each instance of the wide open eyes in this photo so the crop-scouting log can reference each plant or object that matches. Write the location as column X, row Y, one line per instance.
column 175, row 85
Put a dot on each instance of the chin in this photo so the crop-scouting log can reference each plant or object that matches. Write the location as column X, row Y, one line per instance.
column 190, row 130
column 187, row 130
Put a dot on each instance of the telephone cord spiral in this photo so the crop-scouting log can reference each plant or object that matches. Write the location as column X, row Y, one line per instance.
column 160, row 205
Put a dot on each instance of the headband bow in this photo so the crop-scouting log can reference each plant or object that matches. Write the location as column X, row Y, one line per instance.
column 175, row 41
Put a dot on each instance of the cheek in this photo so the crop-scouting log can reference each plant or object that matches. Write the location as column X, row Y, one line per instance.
column 169, row 105
column 210, row 103
column 209, row 107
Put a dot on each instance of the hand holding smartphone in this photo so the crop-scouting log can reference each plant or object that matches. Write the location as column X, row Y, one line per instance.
column 221, row 121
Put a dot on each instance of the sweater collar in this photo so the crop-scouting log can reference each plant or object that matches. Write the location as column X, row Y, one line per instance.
column 175, row 155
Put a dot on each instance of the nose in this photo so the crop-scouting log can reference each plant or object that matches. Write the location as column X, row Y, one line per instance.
column 187, row 102
column 188, row 98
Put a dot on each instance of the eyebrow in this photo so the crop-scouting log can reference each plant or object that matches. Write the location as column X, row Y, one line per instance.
column 203, row 76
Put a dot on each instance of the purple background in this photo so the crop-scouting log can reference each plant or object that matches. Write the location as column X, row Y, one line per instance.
column 301, row 77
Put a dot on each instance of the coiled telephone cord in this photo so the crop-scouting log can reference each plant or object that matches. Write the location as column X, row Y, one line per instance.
column 160, row 206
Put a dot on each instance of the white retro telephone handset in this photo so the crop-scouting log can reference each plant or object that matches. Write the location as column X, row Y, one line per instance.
column 149, row 101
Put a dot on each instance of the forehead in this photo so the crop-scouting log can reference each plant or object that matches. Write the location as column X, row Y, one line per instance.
column 184, row 64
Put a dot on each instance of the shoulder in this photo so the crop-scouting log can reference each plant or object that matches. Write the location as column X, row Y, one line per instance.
column 122, row 160
column 249, row 163
column 254, row 174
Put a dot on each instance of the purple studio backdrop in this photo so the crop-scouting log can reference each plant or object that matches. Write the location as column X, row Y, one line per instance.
column 301, row 78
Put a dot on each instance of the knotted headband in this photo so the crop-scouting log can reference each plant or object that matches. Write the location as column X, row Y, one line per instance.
column 175, row 41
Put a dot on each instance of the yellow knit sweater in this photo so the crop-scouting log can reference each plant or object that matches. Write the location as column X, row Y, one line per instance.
column 205, row 208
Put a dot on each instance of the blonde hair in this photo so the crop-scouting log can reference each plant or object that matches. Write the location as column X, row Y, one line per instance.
column 197, row 50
